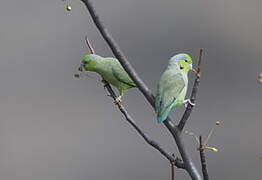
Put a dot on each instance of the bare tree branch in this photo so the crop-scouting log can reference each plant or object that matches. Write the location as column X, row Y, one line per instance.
column 172, row 172
column 203, row 159
column 117, row 52
column 176, row 133
column 189, row 108
column 177, row 162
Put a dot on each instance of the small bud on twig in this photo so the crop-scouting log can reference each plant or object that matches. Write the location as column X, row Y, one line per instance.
column 213, row 149
column 68, row 8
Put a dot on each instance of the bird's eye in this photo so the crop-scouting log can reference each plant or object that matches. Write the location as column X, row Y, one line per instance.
column 186, row 60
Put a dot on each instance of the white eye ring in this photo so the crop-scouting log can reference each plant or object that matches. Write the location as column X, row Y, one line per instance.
column 186, row 60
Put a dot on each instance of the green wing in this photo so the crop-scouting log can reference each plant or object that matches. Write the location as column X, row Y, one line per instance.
column 169, row 88
column 120, row 74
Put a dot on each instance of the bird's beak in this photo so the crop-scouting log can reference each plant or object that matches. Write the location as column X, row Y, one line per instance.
column 80, row 68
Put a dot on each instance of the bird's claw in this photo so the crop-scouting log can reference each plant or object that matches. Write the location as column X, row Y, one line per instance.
column 188, row 101
column 118, row 100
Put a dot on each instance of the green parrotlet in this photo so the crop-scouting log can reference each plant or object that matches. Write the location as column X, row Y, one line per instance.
column 172, row 86
column 109, row 69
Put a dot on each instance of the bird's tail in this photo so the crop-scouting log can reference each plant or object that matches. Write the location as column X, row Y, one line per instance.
column 161, row 118
column 162, row 115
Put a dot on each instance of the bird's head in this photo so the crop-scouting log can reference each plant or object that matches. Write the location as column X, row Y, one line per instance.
column 89, row 61
column 184, row 61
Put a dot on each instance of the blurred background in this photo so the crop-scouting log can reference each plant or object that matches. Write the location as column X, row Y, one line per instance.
column 54, row 126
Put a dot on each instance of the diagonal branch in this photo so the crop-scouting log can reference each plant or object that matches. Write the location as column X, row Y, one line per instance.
column 118, row 53
column 176, row 133
column 189, row 108
column 177, row 162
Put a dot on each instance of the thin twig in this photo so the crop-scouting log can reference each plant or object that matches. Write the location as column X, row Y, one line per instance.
column 189, row 165
column 90, row 47
column 189, row 108
column 151, row 142
column 172, row 172
column 209, row 135
column 203, row 159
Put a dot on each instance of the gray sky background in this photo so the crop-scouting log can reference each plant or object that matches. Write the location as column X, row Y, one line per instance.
column 54, row 127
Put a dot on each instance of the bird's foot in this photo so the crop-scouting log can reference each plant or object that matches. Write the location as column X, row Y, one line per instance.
column 188, row 101
column 118, row 100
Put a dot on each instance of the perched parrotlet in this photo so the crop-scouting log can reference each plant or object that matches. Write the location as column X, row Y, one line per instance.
column 172, row 86
column 109, row 69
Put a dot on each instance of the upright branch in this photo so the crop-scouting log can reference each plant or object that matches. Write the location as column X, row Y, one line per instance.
column 176, row 133
column 203, row 159
column 172, row 171
column 189, row 108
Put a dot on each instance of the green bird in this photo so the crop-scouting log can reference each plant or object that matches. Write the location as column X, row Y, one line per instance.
column 172, row 86
column 109, row 69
